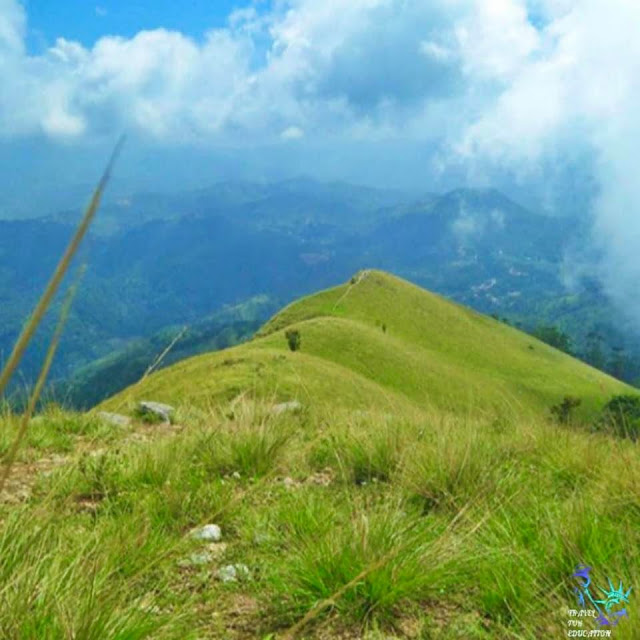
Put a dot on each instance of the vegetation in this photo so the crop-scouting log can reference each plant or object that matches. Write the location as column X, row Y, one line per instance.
column 293, row 339
column 555, row 337
column 103, row 378
column 435, row 353
column 147, row 263
column 562, row 411
column 413, row 495
column 468, row 530
column 622, row 414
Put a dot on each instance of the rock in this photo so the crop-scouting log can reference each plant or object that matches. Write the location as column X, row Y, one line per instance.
column 217, row 549
column 235, row 475
column 283, row 407
column 323, row 478
column 212, row 553
column 115, row 419
column 198, row 559
column 234, row 572
column 156, row 410
column 208, row 533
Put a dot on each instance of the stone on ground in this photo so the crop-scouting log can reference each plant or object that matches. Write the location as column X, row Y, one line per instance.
column 156, row 410
column 115, row 419
column 208, row 533
column 283, row 407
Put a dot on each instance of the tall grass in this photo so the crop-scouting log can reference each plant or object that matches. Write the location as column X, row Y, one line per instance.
column 39, row 312
column 466, row 527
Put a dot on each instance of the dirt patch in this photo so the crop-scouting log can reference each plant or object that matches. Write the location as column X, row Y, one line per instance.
column 24, row 476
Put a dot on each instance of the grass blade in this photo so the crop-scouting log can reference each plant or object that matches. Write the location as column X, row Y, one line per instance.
column 58, row 274
column 42, row 378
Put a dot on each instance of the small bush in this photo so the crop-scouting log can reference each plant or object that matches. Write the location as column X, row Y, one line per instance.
column 293, row 339
column 563, row 410
column 622, row 414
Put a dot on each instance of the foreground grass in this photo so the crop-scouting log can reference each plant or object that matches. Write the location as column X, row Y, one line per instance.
column 460, row 528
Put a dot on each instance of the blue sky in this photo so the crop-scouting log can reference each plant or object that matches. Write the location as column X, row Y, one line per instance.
column 86, row 21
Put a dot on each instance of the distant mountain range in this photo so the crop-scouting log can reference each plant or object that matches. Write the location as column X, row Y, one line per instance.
column 160, row 261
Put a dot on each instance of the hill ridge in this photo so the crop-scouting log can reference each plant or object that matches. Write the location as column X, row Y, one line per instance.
column 401, row 339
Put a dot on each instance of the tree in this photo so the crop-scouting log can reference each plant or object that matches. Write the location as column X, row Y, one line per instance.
column 618, row 362
column 293, row 339
column 554, row 337
column 594, row 354
column 562, row 411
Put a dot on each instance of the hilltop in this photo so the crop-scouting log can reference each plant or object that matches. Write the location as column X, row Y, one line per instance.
column 379, row 340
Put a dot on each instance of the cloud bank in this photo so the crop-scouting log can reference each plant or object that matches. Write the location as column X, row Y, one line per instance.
column 363, row 69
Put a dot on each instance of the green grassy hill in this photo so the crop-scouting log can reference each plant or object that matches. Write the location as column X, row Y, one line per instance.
column 379, row 341
column 392, row 506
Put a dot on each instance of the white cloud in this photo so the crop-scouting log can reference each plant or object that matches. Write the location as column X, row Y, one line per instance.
column 334, row 67
column 436, row 51
column 578, row 89
column 12, row 28
column 495, row 38
column 292, row 133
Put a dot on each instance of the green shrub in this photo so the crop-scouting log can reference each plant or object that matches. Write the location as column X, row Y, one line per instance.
column 293, row 339
column 562, row 411
column 622, row 415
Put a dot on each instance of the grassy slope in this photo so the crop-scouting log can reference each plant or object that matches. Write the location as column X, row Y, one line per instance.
column 433, row 353
column 469, row 527
column 259, row 371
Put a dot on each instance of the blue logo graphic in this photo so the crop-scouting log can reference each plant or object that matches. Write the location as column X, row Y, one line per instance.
column 609, row 609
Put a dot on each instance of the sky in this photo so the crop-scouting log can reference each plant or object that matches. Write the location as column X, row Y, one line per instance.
column 85, row 22
column 538, row 97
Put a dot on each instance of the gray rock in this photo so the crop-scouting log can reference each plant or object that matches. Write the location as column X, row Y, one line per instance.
column 115, row 419
column 198, row 559
column 283, row 407
column 208, row 533
column 157, row 410
column 234, row 572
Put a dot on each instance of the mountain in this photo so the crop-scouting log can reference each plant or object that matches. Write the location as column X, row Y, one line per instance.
column 146, row 278
column 476, row 245
column 161, row 261
column 379, row 341
column 285, row 206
